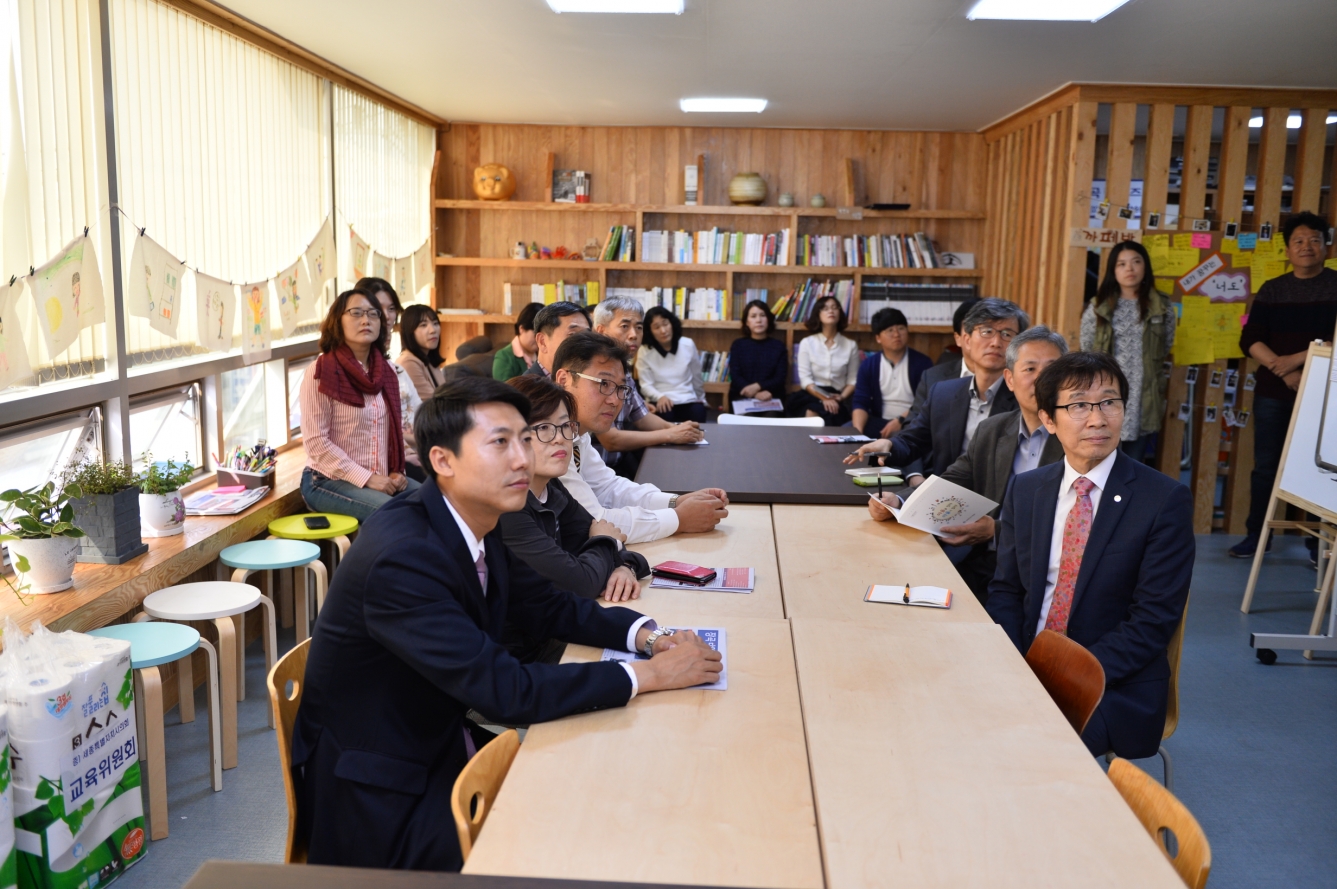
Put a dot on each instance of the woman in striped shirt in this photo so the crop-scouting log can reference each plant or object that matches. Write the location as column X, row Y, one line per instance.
column 351, row 414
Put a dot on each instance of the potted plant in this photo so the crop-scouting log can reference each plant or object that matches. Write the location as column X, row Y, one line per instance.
column 108, row 512
column 162, row 511
column 42, row 536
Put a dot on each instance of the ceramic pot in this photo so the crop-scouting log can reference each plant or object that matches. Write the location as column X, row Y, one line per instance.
column 786, row 200
column 747, row 188
column 162, row 515
column 818, row 201
column 50, row 562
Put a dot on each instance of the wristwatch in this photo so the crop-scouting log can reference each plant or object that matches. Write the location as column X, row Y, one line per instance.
column 673, row 501
column 649, row 649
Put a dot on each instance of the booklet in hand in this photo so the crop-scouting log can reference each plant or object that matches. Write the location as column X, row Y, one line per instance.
column 753, row 406
column 938, row 503
column 904, row 594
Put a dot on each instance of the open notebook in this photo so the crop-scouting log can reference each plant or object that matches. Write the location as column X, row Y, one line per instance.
column 904, row 594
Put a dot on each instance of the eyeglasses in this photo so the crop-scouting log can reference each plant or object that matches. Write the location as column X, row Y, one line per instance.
column 1080, row 410
column 359, row 314
column 547, row 432
column 607, row 387
column 988, row 333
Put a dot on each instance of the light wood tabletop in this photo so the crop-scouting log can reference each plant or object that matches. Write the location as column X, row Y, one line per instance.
column 830, row 554
column 938, row 760
column 691, row 786
column 745, row 539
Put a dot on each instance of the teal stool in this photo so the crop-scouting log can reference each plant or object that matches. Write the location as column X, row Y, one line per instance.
column 151, row 645
column 276, row 555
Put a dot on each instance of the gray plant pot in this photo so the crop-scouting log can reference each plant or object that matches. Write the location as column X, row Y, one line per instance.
column 111, row 522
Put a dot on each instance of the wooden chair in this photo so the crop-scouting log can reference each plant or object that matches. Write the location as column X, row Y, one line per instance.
column 1159, row 811
column 1071, row 674
column 476, row 787
column 290, row 668
column 1173, row 653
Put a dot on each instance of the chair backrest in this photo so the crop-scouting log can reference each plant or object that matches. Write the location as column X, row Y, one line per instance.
column 476, row 787
column 744, row 420
column 1159, row 810
column 291, row 668
column 1071, row 674
column 1173, row 652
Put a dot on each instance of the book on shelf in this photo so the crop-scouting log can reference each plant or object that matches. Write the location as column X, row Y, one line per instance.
column 715, row 367
column 691, row 180
column 586, row 294
column 922, row 303
column 688, row 303
column 868, row 251
column 716, row 247
column 797, row 304
column 618, row 247
column 564, row 186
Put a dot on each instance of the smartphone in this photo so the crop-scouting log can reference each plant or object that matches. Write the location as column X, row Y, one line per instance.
column 316, row 522
column 684, row 571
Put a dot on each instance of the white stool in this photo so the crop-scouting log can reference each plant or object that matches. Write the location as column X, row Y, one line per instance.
column 225, row 604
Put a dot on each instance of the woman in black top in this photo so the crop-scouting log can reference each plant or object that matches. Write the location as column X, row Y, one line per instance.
column 758, row 364
column 554, row 534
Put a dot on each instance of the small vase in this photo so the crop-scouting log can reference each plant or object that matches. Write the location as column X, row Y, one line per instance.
column 162, row 515
column 747, row 188
column 50, row 562
column 786, row 200
column 818, row 201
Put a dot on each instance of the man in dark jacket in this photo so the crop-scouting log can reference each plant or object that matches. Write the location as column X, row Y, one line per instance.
column 885, row 386
column 408, row 642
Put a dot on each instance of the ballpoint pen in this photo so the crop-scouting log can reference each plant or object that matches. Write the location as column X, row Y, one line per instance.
column 906, row 600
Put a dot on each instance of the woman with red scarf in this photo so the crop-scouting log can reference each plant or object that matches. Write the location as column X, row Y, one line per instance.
column 351, row 415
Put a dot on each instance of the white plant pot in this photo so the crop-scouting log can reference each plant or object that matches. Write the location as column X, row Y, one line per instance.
column 50, row 562
column 162, row 515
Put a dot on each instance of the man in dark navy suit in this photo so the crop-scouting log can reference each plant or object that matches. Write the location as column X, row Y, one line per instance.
column 409, row 640
column 1098, row 547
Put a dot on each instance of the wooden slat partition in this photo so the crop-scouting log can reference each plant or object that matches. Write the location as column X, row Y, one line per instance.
column 1232, row 164
column 1309, row 160
column 1066, row 315
column 1197, row 152
column 1271, row 167
column 1156, row 166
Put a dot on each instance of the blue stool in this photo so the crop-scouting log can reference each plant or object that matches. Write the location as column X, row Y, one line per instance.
column 275, row 555
column 153, row 644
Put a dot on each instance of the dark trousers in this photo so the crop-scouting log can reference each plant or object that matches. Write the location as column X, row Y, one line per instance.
column 681, row 413
column 1271, row 419
column 801, row 402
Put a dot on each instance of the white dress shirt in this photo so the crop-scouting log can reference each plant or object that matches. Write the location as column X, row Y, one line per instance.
column 639, row 511
column 675, row 374
column 477, row 548
column 897, row 396
column 831, row 367
column 1067, row 499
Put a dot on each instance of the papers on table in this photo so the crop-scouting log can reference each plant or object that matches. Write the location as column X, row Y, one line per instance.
column 753, row 406
column 726, row 580
column 214, row 503
column 712, row 636
column 904, row 594
column 938, row 503
column 840, row 439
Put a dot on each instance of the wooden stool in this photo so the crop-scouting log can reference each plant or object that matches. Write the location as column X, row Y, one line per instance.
column 225, row 604
column 153, row 644
column 273, row 555
column 293, row 527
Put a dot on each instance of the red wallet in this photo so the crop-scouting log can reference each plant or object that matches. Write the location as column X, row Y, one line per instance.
column 684, row 571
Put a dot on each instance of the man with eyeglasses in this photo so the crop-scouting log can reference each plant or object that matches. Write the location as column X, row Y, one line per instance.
column 943, row 430
column 1100, row 548
column 592, row 367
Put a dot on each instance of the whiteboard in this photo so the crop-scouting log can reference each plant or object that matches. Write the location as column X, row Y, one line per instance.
column 1301, row 476
column 1326, row 452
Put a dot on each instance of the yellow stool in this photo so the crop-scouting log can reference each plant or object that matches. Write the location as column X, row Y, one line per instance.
column 293, row 527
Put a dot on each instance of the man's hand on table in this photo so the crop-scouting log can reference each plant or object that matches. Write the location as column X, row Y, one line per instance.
column 979, row 531
column 880, row 510
column 680, row 661
column 622, row 585
column 700, row 512
column 688, row 432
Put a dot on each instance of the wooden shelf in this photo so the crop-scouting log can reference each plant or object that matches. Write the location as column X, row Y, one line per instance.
column 702, row 209
column 479, row 318
column 802, row 270
column 736, row 324
column 719, row 388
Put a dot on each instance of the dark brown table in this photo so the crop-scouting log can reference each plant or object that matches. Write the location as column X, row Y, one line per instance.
column 759, row 464
column 233, row 874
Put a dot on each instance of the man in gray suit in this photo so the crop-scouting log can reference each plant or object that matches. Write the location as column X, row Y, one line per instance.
column 1004, row 445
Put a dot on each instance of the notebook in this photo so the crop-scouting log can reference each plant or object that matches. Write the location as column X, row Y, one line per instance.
column 927, row 596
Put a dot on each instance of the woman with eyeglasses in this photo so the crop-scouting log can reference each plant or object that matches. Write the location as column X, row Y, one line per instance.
column 554, row 534
column 352, row 420
column 668, row 367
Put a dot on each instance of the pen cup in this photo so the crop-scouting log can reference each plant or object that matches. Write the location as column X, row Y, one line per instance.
column 229, row 477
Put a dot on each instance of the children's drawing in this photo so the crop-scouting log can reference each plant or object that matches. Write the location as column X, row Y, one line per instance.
column 380, row 266
column 215, row 312
column 361, row 255
column 255, row 337
column 404, row 278
column 67, row 293
column 14, row 365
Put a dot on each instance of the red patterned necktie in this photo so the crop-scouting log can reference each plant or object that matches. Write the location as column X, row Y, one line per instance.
column 1075, row 531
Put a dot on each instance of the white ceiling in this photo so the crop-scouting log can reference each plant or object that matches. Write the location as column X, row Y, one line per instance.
column 877, row 64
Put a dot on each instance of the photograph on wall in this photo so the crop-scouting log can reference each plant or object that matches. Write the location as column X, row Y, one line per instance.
column 296, row 300
column 255, row 334
column 67, row 293
column 320, row 259
column 422, row 266
column 361, row 254
column 404, row 278
column 14, row 365
column 154, row 286
column 216, row 312
column 380, row 267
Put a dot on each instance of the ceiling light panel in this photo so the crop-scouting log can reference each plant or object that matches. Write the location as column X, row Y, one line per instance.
column 752, row 106
column 1044, row 10
column 673, row 7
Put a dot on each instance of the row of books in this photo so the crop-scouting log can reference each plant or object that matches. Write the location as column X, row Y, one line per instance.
column 870, row 251
column 923, row 304
column 688, row 303
column 715, row 247
column 618, row 247
column 796, row 305
column 586, row 294
column 715, row 367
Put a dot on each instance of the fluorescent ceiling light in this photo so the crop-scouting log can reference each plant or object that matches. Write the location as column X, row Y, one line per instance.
column 660, row 6
column 1044, row 10
column 744, row 105
column 1293, row 122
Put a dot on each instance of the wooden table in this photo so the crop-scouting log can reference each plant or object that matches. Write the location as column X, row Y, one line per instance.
column 744, row 539
column 231, row 874
column 758, row 464
column 691, row 786
column 830, row 554
column 939, row 760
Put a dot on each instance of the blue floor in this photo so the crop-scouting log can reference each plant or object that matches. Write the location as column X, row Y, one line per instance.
column 1253, row 754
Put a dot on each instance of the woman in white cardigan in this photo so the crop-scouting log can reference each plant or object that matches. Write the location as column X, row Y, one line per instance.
column 668, row 367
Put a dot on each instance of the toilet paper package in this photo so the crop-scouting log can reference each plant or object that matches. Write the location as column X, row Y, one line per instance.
column 73, row 759
column 9, row 868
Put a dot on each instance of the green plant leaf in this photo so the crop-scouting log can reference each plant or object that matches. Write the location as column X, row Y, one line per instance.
column 21, row 564
column 29, row 524
column 10, row 496
column 45, row 789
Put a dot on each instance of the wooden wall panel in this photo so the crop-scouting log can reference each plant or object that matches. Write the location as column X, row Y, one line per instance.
column 1081, row 159
column 1309, row 157
column 1232, row 164
column 1271, row 166
column 1156, row 165
column 1197, row 152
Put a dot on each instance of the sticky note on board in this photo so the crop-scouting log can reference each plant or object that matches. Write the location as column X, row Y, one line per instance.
column 1248, row 241
column 1183, row 240
column 1330, row 264
column 1193, row 345
column 1201, row 241
column 1229, row 245
column 1166, row 285
column 1179, row 262
column 1242, row 260
column 1225, row 328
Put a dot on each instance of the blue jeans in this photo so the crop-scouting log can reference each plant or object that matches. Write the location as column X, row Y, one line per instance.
column 343, row 498
column 1271, row 419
